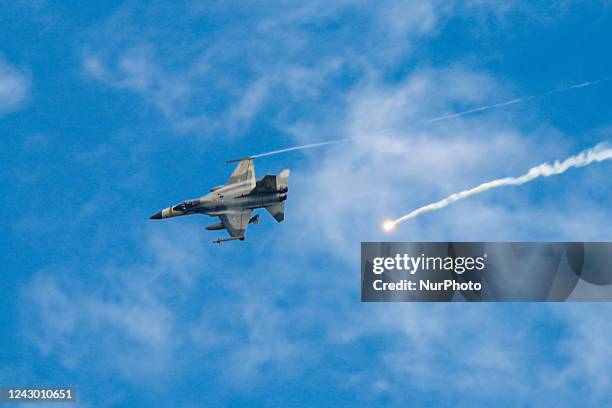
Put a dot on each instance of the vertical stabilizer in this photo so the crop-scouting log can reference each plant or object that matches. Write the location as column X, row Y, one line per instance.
column 243, row 173
column 282, row 178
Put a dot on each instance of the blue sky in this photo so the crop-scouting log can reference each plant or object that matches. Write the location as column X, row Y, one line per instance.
column 111, row 111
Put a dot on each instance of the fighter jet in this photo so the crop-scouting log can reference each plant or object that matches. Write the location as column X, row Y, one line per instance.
column 234, row 201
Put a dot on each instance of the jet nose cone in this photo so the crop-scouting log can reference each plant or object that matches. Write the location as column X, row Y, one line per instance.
column 156, row 216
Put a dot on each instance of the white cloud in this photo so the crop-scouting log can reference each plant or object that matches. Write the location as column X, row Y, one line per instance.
column 468, row 344
column 294, row 304
column 77, row 321
column 280, row 59
column 587, row 349
column 134, row 320
column 396, row 165
column 14, row 87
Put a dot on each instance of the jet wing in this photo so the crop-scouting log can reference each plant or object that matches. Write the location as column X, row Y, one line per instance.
column 236, row 222
column 243, row 173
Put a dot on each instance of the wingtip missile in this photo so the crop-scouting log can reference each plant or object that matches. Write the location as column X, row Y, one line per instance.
column 239, row 160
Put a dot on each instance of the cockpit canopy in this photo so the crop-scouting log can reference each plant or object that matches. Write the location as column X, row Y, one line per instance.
column 186, row 205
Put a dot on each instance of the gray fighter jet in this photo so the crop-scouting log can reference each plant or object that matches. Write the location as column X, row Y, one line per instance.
column 234, row 201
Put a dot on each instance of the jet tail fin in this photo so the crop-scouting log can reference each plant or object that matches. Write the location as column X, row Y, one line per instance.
column 277, row 211
column 282, row 178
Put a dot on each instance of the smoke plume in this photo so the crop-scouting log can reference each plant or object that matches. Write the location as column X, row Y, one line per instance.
column 598, row 153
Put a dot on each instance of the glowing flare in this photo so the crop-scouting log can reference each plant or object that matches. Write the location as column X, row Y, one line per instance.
column 388, row 225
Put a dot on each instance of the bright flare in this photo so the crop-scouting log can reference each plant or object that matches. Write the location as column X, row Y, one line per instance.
column 388, row 225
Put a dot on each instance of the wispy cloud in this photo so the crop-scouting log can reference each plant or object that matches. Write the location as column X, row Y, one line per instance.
column 346, row 191
column 213, row 78
column 135, row 320
column 14, row 87
column 288, row 300
column 589, row 355
column 383, row 168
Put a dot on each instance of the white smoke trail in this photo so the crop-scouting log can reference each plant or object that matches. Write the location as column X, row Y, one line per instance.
column 517, row 100
column 474, row 110
column 308, row 146
column 451, row 115
column 598, row 153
